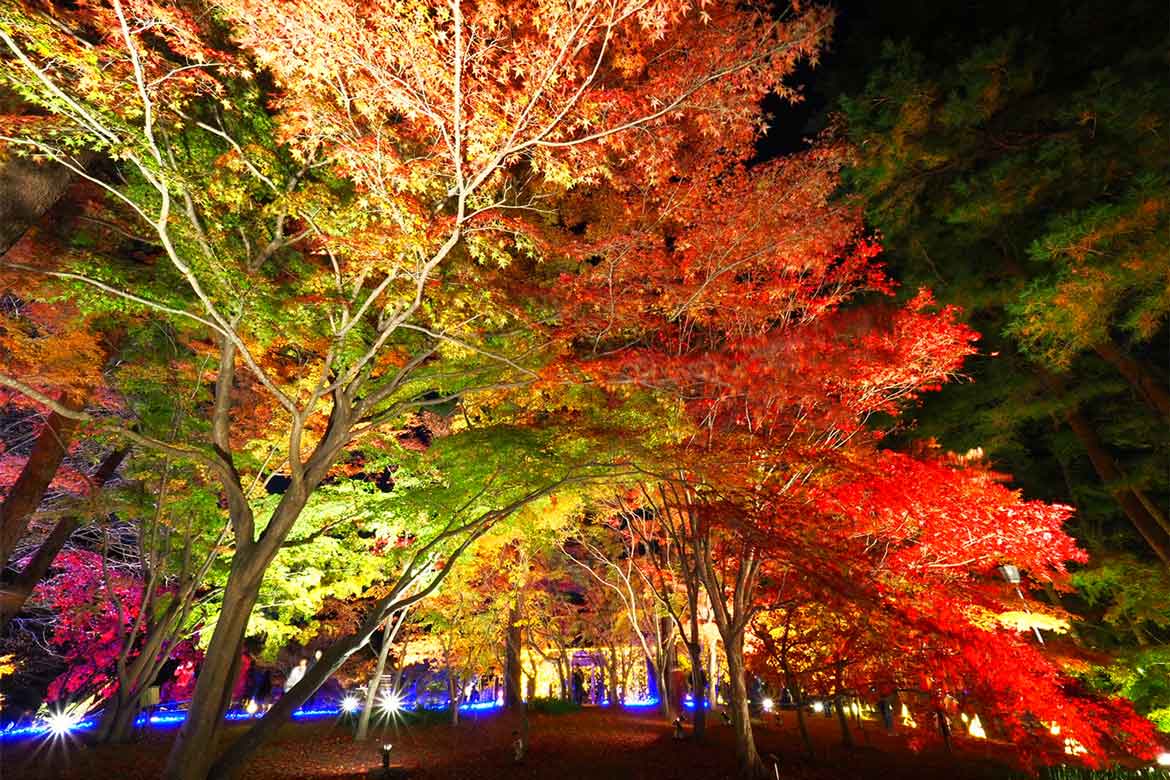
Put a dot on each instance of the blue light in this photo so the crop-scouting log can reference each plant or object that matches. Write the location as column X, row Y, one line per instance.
column 42, row 728
column 689, row 702
column 51, row 727
column 641, row 703
column 480, row 705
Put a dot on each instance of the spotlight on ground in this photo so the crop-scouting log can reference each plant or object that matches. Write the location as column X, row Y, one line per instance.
column 61, row 723
column 349, row 705
column 1163, row 759
column 768, row 705
column 391, row 703
column 818, row 707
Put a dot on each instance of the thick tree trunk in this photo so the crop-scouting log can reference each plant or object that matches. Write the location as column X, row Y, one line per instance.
column 1149, row 386
column 16, row 593
column 282, row 711
column 27, row 190
column 28, row 491
column 747, row 757
column 1147, row 524
column 194, row 748
column 512, row 671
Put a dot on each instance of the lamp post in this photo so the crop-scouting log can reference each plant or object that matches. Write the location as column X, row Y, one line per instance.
column 1011, row 573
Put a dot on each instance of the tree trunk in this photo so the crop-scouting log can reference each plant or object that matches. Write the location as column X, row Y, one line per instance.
column 1148, row 525
column 561, row 677
column 512, row 671
column 664, row 666
column 453, row 693
column 27, row 190
column 798, row 698
column 27, row 492
column 750, row 765
column 388, row 633
column 713, row 673
column 698, row 690
column 281, row 712
column 117, row 723
column 944, row 728
column 1151, row 388
column 614, row 701
column 194, row 749
column 842, row 720
column 16, row 593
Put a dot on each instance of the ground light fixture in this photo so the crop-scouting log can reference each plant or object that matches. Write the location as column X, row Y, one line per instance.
column 768, row 704
column 391, row 703
column 1011, row 573
column 350, row 705
column 818, row 707
column 1163, row 759
column 61, row 723
column 386, row 757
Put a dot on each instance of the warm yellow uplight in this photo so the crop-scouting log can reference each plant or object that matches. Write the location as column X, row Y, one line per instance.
column 907, row 718
column 975, row 729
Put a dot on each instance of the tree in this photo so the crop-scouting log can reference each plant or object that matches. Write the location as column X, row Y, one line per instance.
column 1008, row 169
column 629, row 561
column 730, row 290
column 441, row 148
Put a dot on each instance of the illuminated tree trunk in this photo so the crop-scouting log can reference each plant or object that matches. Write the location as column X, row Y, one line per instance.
column 28, row 491
column 193, row 753
column 664, row 665
column 512, row 670
column 117, row 723
column 388, row 634
column 16, row 592
column 713, row 673
column 453, row 691
column 748, row 758
column 698, row 690
column 614, row 701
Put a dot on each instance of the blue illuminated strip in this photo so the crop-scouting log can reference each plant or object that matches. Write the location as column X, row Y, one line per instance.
column 641, row 703
column 42, row 728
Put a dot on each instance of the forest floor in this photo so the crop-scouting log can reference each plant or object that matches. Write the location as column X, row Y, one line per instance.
column 591, row 744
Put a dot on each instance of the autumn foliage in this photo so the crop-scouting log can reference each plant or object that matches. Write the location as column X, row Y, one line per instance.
column 404, row 289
